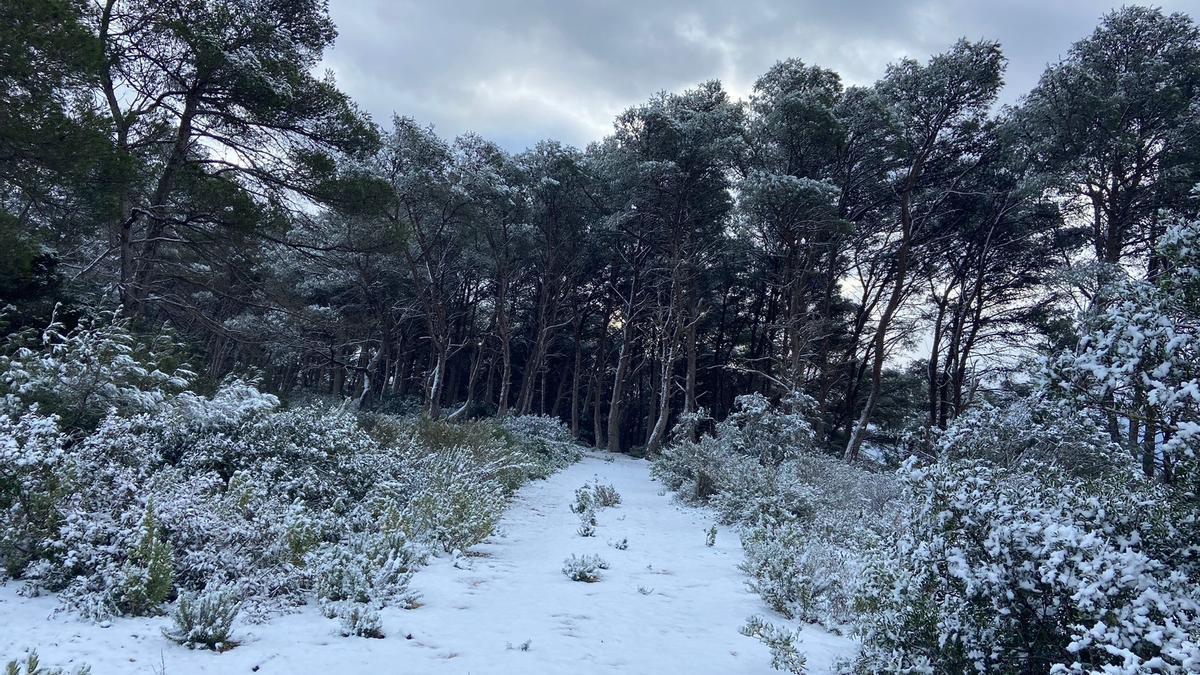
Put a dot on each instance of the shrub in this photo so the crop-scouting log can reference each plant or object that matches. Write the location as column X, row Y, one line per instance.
column 544, row 441
column 360, row 620
column 205, row 620
column 366, row 567
column 31, row 485
column 606, row 495
column 802, row 575
column 585, row 500
column 149, row 571
column 1012, row 571
column 781, row 642
column 82, row 373
column 587, row 523
column 584, row 568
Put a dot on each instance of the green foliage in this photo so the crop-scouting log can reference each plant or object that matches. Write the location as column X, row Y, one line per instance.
column 149, row 571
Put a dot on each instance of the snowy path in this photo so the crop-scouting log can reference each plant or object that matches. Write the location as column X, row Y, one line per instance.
column 667, row 604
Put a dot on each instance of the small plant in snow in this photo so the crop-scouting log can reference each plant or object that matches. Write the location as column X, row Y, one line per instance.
column 620, row 545
column 606, row 495
column 584, row 500
column 205, row 620
column 781, row 642
column 523, row 647
column 710, row 536
column 32, row 666
column 645, row 590
column 587, row 523
column 584, row 568
column 360, row 620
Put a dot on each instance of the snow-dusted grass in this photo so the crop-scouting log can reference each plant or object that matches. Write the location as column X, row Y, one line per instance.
column 668, row 603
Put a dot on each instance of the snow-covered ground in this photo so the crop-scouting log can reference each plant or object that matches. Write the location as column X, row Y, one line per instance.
column 668, row 604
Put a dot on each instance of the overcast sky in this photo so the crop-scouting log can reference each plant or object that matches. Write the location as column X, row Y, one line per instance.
column 519, row 71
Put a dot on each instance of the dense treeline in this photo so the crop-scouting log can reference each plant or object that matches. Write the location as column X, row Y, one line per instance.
column 893, row 250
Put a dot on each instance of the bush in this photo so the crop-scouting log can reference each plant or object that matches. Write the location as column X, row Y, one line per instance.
column 1027, row 570
column 31, row 485
column 584, row 568
column 587, row 523
column 806, row 520
column 781, row 642
column 545, row 442
column 205, row 620
column 606, row 495
column 360, row 620
column 82, row 373
column 149, row 572
column 802, row 575
column 171, row 490
column 366, row 567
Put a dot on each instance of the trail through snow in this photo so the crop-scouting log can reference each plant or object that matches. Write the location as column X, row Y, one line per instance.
column 667, row 604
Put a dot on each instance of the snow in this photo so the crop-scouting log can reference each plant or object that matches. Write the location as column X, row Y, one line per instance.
column 668, row 603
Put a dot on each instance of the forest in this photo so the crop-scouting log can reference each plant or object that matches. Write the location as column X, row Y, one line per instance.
column 934, row 358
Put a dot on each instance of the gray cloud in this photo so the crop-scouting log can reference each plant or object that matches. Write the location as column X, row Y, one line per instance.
column 523, row 70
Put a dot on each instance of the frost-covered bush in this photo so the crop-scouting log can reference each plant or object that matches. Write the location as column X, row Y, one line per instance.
column 587, row 523
column 1001, row 570
column 782, row 643
column 205, row 620
column 585, row 568
column 364, row 568
column 81, row 373
column 740, row 455
column 802, row 575
column 149, row 571
column 453, row 500
column 1035, row 432
column 606, row 495
column 544, row 441
column 31, row 484
column 360, row 620
column 585, row 500
column 806, row 520
column 156, row 492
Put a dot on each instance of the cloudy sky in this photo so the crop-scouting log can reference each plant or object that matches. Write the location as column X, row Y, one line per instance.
column 517, row 71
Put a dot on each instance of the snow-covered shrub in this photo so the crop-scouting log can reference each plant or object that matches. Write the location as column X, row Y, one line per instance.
column 606, row 495
column 781, row 642
column 740, row 455
column 31, row 484
column 205, row 620
column 544, row 441
column 364, row 568
column 584, row 568
column 800, row 574
column 360, row 620
column 805, row 519
column 1034, row 431
column 81, row 373
column 1001, row 570
column 32, row 665
column 452, row 499
column 587, row 523
column 1137, row 360
column 149, row 571
column 585, row 500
